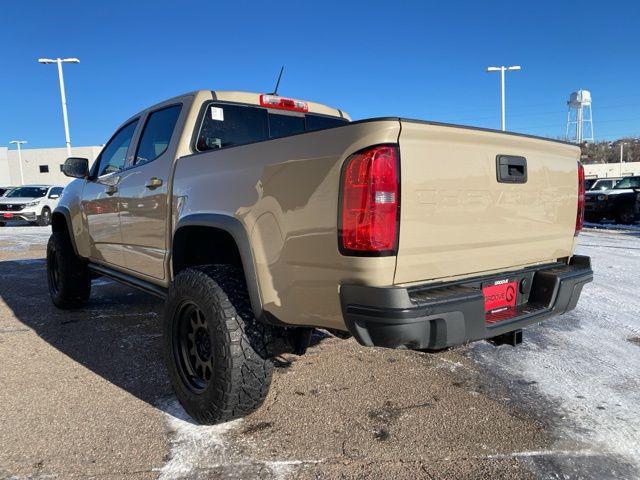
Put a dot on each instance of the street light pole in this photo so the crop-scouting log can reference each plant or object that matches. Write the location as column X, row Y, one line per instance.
column 63, row 96
column 621, row 156
column 502, row 69
column 17, row 144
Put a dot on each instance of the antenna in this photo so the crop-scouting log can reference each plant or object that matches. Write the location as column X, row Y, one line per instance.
column 275, row 91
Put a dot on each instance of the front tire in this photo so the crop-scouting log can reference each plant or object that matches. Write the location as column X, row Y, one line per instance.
column 67, row 274
column 44, row 219
column 592, row 218
column 216, row 352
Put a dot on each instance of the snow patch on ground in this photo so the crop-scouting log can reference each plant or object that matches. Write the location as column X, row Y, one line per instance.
column 587, row 361
column 209, row 451
column 613, row 227
column 192, row 443
column 18, row 238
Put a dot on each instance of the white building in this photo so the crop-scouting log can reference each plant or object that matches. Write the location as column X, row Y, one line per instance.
column 39, row 165
column 607, row 170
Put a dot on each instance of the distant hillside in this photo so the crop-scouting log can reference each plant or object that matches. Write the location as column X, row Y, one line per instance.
column 609, row 152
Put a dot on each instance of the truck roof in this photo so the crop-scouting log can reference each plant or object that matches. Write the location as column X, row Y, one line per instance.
column 252, row 98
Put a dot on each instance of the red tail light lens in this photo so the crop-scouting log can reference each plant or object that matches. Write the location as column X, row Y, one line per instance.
column 580, row 214
column 370, row 201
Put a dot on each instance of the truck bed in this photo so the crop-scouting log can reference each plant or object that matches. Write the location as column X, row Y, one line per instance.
column 456, row 220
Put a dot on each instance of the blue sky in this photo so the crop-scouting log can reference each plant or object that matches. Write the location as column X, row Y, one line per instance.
column 418, row 59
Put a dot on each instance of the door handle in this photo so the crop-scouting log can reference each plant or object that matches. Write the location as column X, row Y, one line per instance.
column 111, row 189
column 153, row 183
column 511, row 169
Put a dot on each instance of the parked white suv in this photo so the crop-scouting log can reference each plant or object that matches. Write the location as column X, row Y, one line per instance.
column 33, row 203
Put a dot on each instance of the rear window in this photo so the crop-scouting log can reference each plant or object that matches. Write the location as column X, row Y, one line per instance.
column 283, row 125
column 320, row 122
column 226, row 125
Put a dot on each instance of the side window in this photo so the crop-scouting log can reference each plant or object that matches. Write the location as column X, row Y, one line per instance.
column 157, row 134
column 55, row 191
column 114, row 155
column 228, row 125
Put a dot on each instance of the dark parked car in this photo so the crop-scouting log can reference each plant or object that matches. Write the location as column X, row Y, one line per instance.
column 618, row 203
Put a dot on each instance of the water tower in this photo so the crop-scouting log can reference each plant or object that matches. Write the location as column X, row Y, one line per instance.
column 579, row 118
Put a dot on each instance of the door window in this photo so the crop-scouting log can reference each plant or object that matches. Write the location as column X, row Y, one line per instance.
column 114, row 155
column 55, row 191
column 156, row 135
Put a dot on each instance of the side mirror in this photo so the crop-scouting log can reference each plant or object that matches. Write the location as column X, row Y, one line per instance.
column 54, row 196
column 76, row 167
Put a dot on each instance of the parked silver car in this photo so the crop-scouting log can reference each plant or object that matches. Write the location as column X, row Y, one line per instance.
column 31, row 203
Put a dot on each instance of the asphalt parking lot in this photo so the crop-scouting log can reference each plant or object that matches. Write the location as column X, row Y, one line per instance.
column 84, row 393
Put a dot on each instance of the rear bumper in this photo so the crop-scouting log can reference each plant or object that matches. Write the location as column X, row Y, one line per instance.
column 450, row 314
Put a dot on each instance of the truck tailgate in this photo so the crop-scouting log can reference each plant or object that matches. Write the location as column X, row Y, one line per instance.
column 457, row 219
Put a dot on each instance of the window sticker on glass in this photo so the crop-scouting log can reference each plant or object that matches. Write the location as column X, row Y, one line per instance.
column 217, row 114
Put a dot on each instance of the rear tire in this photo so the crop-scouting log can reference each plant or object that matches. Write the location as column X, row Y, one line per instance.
column 67, row 274
column 217, row 353
column 44, row 219
column 625, row 215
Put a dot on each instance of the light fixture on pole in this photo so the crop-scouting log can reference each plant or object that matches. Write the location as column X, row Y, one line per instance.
column 17, row 144
column 502, row 69
column 60, row 61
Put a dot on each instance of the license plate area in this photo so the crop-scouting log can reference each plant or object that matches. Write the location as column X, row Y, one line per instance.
column 500, row 295
column 7, row 215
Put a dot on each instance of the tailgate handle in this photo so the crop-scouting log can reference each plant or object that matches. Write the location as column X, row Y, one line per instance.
column 511, row 169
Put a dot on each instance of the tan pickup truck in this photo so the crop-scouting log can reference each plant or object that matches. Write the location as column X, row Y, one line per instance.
column 259, row 217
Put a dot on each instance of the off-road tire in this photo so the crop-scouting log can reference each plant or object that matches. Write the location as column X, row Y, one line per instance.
column 44, row 219
column 67, row 274
column 239, row 350
column 625, row 215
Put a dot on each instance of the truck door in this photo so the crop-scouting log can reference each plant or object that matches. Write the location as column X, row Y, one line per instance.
column 144, row 203
column 100, row 198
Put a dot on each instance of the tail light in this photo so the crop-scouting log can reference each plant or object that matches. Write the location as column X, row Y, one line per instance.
column 580, row 214
column 370, row 202
column 281, row 103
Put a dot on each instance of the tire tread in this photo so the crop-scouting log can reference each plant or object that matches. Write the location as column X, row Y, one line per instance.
column 242, row 364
